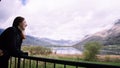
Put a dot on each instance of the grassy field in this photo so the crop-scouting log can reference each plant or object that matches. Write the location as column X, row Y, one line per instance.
column 44, row 52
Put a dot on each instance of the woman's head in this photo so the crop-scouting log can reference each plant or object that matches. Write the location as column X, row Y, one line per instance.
column 19, row 22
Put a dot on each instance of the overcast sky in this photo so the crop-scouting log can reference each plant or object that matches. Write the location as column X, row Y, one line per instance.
column 61, row 19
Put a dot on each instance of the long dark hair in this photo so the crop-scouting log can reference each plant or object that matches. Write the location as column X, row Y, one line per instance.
column 16, row 23
column 17, row 20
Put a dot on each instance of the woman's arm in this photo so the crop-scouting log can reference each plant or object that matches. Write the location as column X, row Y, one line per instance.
column 12, row 42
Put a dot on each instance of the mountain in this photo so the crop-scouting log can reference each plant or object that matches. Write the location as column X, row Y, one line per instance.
column 92, row 38
column 30, row 40
column 59, row 42
column 114, row 34
column 106, row 37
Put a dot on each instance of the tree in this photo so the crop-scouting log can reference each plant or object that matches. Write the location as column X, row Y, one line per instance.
column 91, row 49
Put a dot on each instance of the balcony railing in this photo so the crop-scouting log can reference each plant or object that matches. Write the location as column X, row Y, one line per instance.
column 39, row 62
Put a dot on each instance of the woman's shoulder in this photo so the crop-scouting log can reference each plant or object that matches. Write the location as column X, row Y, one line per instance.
column 10, row 29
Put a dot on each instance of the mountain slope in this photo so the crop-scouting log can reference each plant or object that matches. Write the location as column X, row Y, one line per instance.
column 59, row 42
column 114, row 36
column 30, row 40
column 105, row 37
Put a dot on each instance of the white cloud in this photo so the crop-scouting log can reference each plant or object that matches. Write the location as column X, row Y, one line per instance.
column 67, row 19
column 8, row 9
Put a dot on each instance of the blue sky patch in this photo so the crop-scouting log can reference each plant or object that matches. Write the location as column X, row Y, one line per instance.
column 24, row 2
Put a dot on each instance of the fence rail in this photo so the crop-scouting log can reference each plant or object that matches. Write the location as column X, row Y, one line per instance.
column 40, row 62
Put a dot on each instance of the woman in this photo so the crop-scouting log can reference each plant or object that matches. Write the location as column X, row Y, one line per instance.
column 10, row 41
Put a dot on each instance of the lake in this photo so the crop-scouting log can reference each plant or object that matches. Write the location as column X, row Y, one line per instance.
column 65, row 50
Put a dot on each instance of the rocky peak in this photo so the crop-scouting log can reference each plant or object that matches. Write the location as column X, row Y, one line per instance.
column 117, row 22
column 116, row 27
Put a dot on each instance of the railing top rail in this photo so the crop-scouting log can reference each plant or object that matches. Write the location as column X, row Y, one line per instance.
column 73, row 63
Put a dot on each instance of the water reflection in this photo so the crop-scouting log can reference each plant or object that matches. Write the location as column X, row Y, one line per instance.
column 65, row 50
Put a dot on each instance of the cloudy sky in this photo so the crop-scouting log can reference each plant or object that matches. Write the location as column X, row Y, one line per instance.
column 61, row 19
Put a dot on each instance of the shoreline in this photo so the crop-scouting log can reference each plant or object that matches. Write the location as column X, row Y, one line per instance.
column 80, row 56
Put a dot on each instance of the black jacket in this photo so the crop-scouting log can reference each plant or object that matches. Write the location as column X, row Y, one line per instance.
column 10, row 42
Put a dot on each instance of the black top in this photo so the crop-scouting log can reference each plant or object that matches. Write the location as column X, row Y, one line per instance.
column 10, row 41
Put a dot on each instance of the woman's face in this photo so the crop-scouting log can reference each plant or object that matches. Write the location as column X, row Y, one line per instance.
column 23, row 25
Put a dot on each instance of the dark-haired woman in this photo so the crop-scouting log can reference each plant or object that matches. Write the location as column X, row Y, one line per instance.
column 10, row 41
